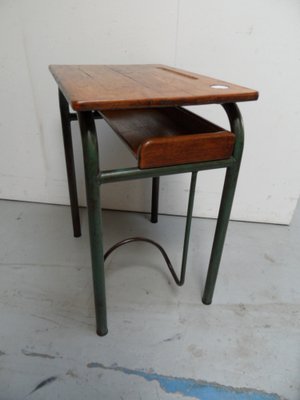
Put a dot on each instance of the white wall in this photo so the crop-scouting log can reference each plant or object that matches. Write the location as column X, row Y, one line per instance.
column 253, row 43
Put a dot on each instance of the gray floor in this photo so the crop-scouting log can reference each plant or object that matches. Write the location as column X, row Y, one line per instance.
column 163, row 343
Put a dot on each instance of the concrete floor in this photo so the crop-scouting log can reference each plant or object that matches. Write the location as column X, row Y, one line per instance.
column 163, row 343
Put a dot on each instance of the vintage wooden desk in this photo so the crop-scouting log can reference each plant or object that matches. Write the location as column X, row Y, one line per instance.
column 143, row 105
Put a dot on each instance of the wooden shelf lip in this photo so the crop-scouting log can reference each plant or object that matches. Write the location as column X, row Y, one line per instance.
column 169, row 136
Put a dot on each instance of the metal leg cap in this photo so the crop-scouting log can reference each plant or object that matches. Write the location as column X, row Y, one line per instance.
column 102, row 332
column 206, row 302
column 76, row 231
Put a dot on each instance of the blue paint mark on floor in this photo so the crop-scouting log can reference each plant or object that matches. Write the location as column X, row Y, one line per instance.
column 194, row 388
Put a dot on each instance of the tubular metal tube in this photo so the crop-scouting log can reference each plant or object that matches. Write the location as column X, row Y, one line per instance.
column 91, row 168
column 125, row 174
column 73, row 116
column 155, row 199
column 68, row 146
column 188, row 226
column 236, row 123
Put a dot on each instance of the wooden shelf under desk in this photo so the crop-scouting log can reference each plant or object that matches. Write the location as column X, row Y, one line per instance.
column 169, row 136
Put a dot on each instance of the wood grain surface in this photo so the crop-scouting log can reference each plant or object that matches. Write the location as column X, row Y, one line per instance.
column 92, row 87
column 169, row 136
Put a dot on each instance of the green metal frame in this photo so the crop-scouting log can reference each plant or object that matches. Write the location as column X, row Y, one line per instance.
column 66, row 119
column 91, row 168
column 95, row 178
column 154, row 201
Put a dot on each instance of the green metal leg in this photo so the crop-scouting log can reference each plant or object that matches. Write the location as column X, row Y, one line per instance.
column 155, row 198
column 188, row 226
column 91, row 167
column 68, row 146
column 226, row 202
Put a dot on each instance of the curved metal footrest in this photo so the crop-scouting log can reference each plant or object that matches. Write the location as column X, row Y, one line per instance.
column 179, row 281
